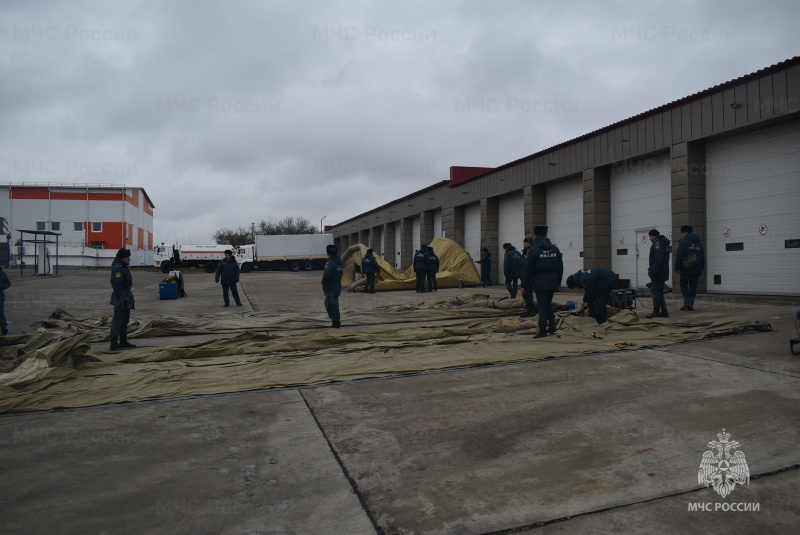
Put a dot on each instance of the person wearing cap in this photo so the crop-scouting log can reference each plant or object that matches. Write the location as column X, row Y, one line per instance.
column 5, row 284
column 421, row 267
column 527, row 297
column 511, row 268
column 597, row 285
column 658, row 272
column 332, row 284
column 122, row 300
column 433, row 269
column 543, row 270
column 370, row 268
column 486, row 267
column 228, row 273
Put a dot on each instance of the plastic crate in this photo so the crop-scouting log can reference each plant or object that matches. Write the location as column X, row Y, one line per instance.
column 168, row 290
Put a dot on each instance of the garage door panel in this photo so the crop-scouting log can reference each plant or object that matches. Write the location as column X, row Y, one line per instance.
column 641, row 199
column 397, row 245
column 510, row 224
column 565, row 221
column 472, row 230
column 752, row 189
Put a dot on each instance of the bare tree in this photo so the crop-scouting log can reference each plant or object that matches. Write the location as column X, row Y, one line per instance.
column 287, row 225
column 229, row 236
column 244, row 235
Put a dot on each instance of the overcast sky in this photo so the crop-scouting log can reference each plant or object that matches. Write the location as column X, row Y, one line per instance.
column 229, row 112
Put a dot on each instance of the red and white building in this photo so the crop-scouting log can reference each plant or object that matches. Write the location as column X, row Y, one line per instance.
column 94, row 220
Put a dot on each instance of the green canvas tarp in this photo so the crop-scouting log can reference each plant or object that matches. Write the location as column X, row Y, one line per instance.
column 55, row 368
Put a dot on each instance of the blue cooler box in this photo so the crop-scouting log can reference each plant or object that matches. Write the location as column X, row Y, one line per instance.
column 168, row 290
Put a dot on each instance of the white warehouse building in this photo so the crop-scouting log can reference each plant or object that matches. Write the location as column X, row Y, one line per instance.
column 93, row 220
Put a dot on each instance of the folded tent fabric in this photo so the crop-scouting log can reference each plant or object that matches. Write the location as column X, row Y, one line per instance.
column 456, row 268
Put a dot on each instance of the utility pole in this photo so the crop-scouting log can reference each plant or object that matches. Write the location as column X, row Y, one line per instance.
column 253, row 231
column 320, row 223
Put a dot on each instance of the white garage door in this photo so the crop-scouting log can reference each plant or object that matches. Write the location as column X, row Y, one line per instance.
column 437, row 224
column 415, row 232
column 398, row 244
column 472, row 230
column 752, row 194
column 565, row 221
column 510, row 225
column 641, row 199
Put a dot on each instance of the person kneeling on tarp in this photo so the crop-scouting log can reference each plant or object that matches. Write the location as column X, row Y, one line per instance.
column 597, row 285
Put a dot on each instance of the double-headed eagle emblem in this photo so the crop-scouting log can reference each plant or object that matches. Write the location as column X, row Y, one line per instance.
column 721, row 469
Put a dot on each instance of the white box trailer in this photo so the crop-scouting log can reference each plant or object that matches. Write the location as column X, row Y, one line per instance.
column 169, row 257
column 285, row 251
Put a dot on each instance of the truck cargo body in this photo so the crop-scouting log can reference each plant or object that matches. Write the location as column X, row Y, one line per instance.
column 285, row 251
column 169, row 257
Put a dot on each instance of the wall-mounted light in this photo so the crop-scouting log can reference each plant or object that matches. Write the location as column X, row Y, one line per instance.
column 465, row 192
column 552, row 164
column 737, row 105
column 624, row 140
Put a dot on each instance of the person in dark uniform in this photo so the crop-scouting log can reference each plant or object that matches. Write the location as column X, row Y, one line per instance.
column 511, row 268
column 228, row 273
column 332, row 284
column 421, row 267
column 486, row 267
column 543, row 270
column 433, row 269
column 122, row 299
column 370, row 268
column 597, row 285
column 690, row 261
column 5, row 284
column 530, row 307
column 658, row 272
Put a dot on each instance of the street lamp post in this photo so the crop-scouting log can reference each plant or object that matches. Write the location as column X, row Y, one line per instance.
column 320, row 223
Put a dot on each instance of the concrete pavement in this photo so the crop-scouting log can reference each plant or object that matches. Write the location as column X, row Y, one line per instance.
column 605, row 443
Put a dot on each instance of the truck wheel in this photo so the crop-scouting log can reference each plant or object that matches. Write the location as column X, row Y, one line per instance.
column 210, row 267
column 166, row 266
column 247, row 268
column 294, row 266
column 308, row 265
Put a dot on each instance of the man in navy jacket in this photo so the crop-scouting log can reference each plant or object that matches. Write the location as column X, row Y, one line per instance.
column 658, row 272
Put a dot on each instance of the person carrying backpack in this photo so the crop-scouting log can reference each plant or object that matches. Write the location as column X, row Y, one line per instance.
column 690, row 261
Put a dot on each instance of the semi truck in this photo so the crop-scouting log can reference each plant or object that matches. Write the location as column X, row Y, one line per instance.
column 169, row 257
column 284, row 251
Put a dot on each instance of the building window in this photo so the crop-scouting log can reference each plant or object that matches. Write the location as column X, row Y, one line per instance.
column 77, row 226
column 97, row 227
column 55, row 225
column 41, row 225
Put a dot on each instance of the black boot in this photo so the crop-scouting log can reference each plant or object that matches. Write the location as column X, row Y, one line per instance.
column 3, row 330
column 685, row 306
column 114, row 344
column 528, row 312
column 691, row 305
column 664, row 313
column 123, row 342
column 542, row 332
column 551, row 326
column 655, row 314
column 336, row 324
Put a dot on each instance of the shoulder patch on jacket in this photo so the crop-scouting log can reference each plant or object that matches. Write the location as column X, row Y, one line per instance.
column 119, row 275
